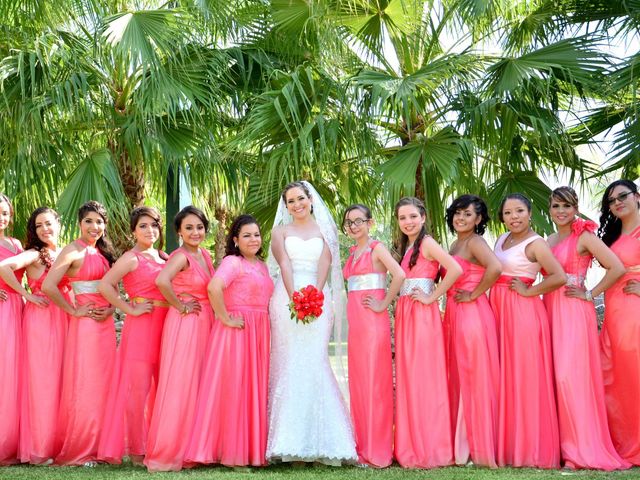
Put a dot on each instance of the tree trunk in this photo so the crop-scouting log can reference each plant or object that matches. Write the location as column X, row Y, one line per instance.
column 221, row 214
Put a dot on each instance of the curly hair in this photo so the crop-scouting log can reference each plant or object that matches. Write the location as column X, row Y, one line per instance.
column 33, row 240
column 479, row 206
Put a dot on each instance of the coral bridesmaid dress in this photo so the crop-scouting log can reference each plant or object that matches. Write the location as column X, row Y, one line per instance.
column 585, row 441
column 527, row 421
column 182, row 351
column 230, row 425
column 370, row 368
column 473, row 370
column 423, row 434
column 620, row 347
column 89, row 356
column 44, row 333
column 10, row 369
column 133, row 388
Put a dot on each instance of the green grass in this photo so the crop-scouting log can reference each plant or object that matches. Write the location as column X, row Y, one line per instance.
column 282, row 472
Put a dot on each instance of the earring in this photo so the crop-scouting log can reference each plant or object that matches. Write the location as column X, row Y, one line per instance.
column 311, row 208
column 235, row 244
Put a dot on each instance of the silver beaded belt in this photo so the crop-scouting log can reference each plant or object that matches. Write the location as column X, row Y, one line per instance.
column 85, row 286
column 427, row 285
column 367, row 281
column 575, row 279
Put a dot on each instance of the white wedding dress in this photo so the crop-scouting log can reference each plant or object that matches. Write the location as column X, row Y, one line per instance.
column 308, row 417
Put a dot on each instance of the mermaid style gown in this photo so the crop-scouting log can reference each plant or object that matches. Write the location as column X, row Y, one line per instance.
column 308, row 418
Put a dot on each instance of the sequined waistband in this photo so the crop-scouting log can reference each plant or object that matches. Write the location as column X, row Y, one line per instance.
column 575, row 279
column 427, row 285
column 154, row 302
column 367, row 281
column 81, row 287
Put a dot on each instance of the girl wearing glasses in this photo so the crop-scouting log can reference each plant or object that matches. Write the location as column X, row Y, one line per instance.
column 585, row 441
column 620, row 336
column 370, row 370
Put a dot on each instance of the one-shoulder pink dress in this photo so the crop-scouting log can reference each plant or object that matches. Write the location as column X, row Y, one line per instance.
column 620, row 347
column 423, row 433
column 89, row 356
column 230, row 425
column 585, row 441
column 10, row 369
column 133, row 388
column 182, row 352
column 370, row 368
column 527, row 420
column 44, row 333
column 473, row 370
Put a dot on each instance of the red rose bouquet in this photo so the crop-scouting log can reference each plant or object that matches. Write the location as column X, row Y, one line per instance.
column 306, row 305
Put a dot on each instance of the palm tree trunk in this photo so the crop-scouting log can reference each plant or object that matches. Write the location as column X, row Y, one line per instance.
column 222, row 215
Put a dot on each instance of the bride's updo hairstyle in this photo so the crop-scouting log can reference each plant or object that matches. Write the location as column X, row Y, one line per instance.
column 298, row 184
column 404, row 239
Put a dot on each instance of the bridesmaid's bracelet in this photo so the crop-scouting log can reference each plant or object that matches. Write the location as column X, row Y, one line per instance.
column 588, row 295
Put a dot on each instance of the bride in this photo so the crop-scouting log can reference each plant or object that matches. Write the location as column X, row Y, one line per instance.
column 308, row 418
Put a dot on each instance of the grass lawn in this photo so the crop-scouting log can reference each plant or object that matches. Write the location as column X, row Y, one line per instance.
column 281, row 472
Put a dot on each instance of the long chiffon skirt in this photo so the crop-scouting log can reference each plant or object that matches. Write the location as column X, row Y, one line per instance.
column 44, row 332
column 184, row 344
column 230, row 425
column 370, row 380
column 423, row 434
column 10, row 384
column 89, row 357
column 585, row 441
column 620, row 346
column 133, row 388
column 474, row 380
column 527, row 421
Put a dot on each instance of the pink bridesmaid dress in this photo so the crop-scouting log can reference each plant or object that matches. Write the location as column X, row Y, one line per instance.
column 230, row 425
column 182, row 351
column 527, row 421
column 89, row 356
column 585, row 441
column 423, row 434
column 10, row 358
column 370, row 368
column 620, row 348
column 133, row 388
column 44, row 333
column 474, row 371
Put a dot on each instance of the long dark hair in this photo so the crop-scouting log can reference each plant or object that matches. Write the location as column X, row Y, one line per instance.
column 103, row 244
column 462, row 202
column 234, row 231
column 610, row 225
column 403, row 238
column 34, row 242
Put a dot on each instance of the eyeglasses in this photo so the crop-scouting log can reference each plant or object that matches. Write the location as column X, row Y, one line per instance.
column 620, row 198
column 357, row 222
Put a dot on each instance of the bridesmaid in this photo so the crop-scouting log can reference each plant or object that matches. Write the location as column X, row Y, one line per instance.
column 370, row 369
column 126, row 422
column 10, row 341
column 183, row 283
column 527, row 421
column 90, row 346
column 473, row 343
column 620, row 336
column 585, row 441
column 423, row 436
column 231, row 416
column 44, row 328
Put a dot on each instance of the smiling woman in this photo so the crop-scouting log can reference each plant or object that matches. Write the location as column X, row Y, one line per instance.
column 90, row 344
